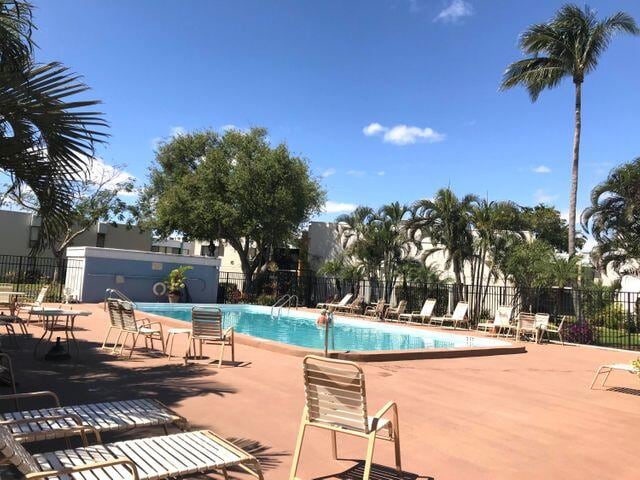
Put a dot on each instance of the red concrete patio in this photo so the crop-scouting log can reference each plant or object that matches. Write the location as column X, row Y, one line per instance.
column 525, row 416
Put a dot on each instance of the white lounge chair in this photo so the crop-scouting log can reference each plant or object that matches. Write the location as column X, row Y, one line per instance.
column 550, row 328
column 336, row 400
column 459, row 316
column 341, row 303
column 30, row 307
column 116, row 323
column 424, row 314
column 607, row 369
column 501, row 320
column 168, row 456
column 31, row 426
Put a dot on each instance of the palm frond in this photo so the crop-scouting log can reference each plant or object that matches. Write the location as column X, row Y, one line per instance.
column 535, row 74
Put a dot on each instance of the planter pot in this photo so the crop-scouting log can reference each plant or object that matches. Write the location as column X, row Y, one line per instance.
column 173, row 297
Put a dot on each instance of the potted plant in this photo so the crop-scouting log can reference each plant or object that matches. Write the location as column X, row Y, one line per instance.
column 175, row 283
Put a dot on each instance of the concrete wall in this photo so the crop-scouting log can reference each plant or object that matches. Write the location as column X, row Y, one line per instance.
column 93, row 270
column 15, row 228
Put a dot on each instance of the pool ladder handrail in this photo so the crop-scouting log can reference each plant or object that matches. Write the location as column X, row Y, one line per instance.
column 284, row 300
column 115, row 293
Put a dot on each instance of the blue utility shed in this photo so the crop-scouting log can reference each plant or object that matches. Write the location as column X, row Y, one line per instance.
column 137, row 274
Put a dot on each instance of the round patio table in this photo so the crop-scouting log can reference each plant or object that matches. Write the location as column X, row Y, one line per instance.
column 57, row 320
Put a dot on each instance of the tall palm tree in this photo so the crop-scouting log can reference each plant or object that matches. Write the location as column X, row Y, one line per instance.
column 614, row 218
column 446, row 221
column 47, row 137
column 569, row 45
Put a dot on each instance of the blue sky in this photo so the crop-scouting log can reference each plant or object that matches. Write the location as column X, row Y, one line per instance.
column 422, row 75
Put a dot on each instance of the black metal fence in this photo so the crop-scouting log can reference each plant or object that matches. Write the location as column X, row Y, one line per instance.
column 597, row 316
column 29, row 274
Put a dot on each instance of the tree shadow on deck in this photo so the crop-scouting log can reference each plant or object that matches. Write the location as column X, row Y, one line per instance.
column 99, row 375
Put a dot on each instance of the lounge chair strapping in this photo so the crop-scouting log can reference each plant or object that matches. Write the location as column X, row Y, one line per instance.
column 501, row 320
column 206, row 328
column 341, row 303
column 116, row 322
column 351, row 307
column 29, row 307
column 376, row 310
column 422, row 315
column 393, row 314
column 336, row 400
column 144, row 327
column 151, row 458
column 530, row 324
column 607, row 369
column 459, row 316
column 31, row 426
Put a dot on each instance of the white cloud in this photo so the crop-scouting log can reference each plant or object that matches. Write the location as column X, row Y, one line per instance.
column 564, row 214
column 541, row 169
column 177, row 131
column 381, row 173
column 541, row 196
column 174, row 132
column 328, row 172
column 453, row 12
column 403, row 134
column 373, row 129
column 356, row 173
column 99, row 171
column 338, row 207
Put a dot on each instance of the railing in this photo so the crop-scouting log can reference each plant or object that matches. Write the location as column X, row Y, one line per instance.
column 29, row 274
column 115, row 293
column 285, row 300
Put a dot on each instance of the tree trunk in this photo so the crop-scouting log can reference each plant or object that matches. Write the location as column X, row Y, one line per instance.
column 574, row 169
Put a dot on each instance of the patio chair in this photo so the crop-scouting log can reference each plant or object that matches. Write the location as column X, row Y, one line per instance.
column 336, row 400
column 607, row 369
column 424, row 314
column 376, row 310
column 393, row 314
column 501, row 320
column 29, row 307
column 131, row 326
column 551, row 328
column 206, row 328
column 116, row 322
column 341, row 303
column 169, row 456
column 351, row 307
column 541, row 322
column 527, row 325
column 459, row 316
column 97, row 418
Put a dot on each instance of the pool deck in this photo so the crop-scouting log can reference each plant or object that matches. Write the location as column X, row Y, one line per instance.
column 525, row 416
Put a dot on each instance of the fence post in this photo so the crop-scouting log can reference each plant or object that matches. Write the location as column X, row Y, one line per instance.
column 19, row 274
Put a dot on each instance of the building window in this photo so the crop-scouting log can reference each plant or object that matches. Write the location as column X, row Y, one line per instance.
column 34, row 236
column 100, row 239
column 155, row 248
column 219, row 251
column 176, row 250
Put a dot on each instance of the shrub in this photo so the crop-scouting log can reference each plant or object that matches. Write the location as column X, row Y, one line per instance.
column 265, row 299
column 579, row 333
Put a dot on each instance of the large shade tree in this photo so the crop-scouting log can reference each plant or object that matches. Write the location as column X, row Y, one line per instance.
column 234, row 187
column 567, row 46
column 47, row 135
column 614, row 218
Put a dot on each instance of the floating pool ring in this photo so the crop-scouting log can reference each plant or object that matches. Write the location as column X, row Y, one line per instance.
column 159, row 289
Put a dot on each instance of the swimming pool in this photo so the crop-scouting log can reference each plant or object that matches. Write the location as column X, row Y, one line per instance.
column 298, row 328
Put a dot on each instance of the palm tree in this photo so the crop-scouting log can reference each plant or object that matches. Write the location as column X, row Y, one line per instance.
column 569, row 45
column 47, row 138
column 446, row 221
column 614, row 218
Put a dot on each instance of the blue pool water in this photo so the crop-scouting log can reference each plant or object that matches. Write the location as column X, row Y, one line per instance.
column 346, row 334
